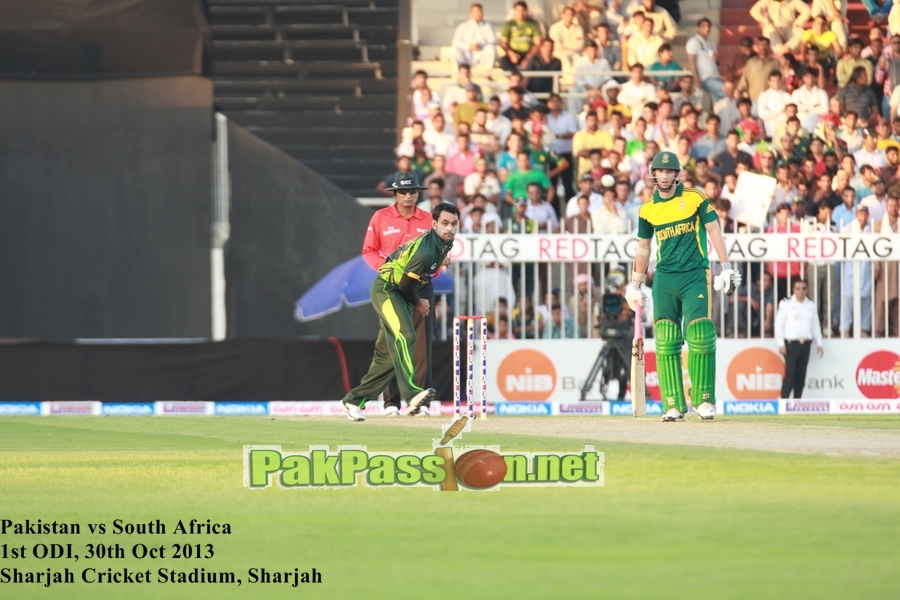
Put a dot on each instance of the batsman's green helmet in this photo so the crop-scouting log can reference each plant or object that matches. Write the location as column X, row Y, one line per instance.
column 665, row 160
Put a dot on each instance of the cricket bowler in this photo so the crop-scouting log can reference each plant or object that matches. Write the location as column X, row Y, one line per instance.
column 394, row 296
column 681, row 218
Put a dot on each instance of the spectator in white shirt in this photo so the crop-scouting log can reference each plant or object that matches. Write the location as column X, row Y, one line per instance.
column 516, row 80
column 497, row 124
column 870, row 153
column 796, row 327
column 475, row 42
column 564, row 126
column 811, row 100
column 585, row 190
column 770, row 104
column 644, row 47
column 663, row 24
column 540, row 210
column 636, row 92
column 438, row 136
column 702, row 59
column 850, row 133
column 584, row 81
column 877, row 201
column 568, row 39
column 456, row 92
column 482, row 182
column 611, row 218
column 861, row 224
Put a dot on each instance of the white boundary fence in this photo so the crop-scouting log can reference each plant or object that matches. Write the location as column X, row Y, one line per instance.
column 838, row 268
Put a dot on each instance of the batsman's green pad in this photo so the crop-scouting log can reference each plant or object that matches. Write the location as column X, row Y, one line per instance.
column 701, row 341
column 668, row 365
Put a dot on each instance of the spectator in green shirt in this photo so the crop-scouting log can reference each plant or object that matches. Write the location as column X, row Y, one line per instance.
column 516, row 185
column 664, row 63
column 519, row 38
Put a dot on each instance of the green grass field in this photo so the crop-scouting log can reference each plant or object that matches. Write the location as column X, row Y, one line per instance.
column 671, row 522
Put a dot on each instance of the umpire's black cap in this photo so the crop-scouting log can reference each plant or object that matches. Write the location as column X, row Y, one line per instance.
column 406, row 181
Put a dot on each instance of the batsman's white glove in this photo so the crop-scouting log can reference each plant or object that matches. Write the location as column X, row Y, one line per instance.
column 728, row 280
column 634, row 295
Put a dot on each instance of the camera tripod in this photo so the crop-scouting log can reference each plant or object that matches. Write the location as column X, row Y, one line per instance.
column 600, row 368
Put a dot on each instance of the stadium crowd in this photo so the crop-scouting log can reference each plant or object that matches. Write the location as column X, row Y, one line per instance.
column 804, row 104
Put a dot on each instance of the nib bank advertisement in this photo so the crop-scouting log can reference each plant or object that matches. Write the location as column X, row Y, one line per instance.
column 555, row 370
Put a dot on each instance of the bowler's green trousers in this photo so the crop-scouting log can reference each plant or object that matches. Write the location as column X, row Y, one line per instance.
column 394, row 348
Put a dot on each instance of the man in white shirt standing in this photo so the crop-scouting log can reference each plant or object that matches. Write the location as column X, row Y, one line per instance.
column 877, row 201
column 770, row 104
column 568, row 39
column 663, row 23
column 611, row 218
column 811, row 100
column 702, row 58
column 796, row 327
column 864, row 285
column 585, row 190
column 636, row 92
column 564, row 126
column 541, row 211
column 475, row 42
column 870, row 154
column 585, row 79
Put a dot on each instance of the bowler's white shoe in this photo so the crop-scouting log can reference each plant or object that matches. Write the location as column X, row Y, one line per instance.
column 706, row 411
column 421, row 399
column 672, row 415
column 353, row 411
column 391, row 411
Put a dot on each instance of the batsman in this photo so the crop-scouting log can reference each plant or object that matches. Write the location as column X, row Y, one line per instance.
column 681, row 218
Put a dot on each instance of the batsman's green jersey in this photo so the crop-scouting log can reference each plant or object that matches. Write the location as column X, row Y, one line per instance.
column 394, row 296
column 679, row 224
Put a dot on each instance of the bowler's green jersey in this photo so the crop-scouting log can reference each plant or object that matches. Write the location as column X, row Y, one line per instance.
column 415, row 263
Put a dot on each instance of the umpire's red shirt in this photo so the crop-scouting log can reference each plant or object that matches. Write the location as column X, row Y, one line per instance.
column 388, row 230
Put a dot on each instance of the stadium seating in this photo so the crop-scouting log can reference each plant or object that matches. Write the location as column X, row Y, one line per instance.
column 315, row 78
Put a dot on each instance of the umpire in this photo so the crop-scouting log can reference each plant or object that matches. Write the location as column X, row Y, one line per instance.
column 390, row 228
column 796, row 326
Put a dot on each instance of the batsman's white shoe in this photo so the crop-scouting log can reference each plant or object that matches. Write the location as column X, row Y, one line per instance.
column 391, row 411
column 672, row 415
column 706, row 411
column 420, row 400
column 353, row 411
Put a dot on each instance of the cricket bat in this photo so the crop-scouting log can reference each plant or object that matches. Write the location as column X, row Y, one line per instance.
column 638, row 384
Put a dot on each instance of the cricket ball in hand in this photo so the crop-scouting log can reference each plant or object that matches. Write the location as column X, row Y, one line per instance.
column 480, row 469
column 607, row 181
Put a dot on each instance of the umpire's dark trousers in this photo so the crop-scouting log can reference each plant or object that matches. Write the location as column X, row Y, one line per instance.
column 422, row 353
column 795, row 363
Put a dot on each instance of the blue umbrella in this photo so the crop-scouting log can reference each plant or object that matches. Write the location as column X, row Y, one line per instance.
column 348, row 283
